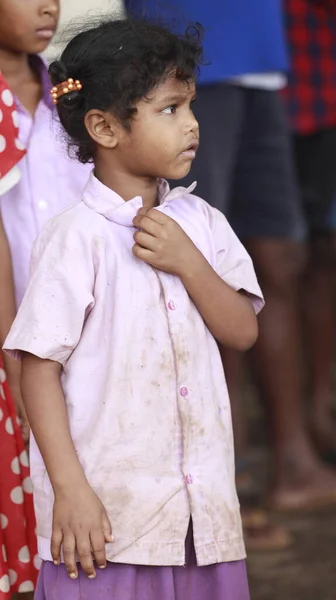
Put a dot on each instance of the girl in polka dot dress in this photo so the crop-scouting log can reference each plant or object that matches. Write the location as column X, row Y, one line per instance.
column 18, row 549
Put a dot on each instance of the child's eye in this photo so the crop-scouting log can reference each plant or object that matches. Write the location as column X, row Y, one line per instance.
column 170, row 110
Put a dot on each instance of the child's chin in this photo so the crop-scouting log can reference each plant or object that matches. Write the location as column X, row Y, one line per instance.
column 180, row 173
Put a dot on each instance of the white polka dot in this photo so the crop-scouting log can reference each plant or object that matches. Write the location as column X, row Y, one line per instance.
column 1, row 414
column 12, row 576
column 24, row 555
column 2, row 143
column 26, row 586
column 15, row 466
column 3, row 521
column 9, row 426
column 4, row 553
column 15, row 118
column 1, row 115
column 19, row 144
column 17, row 495
column 24, row 459
column 2, row 376
column 7, row 98
column 37, row 562
column 27, row 485
column 4, row 584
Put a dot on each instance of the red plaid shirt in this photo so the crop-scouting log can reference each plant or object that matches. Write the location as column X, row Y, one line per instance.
column 311, row 93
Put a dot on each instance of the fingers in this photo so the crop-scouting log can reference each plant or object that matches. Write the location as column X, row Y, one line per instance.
column 107, row 529
column 55, row 546
column 143, row 254
column 98, row 548
column 84, row 552
column 146, row 223
column 25, row 431
column 69, row 553
column 145, row 240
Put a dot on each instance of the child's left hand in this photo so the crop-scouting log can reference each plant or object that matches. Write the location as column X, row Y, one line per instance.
column 162, row 243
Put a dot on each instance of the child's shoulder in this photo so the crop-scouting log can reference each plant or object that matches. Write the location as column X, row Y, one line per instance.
column 77, row 221
column 199, row 206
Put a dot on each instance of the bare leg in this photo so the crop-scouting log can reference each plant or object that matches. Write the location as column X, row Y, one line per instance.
column 299, row 478
column 233, row 364
column 318, row 301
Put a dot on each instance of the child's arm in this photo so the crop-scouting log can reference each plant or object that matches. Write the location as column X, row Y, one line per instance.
column 228, row 314
column 7, row 316
column 80, row 523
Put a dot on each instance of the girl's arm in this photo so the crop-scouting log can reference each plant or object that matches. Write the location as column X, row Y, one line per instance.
column 229, row 315
column 80, row 522
column 7, row 316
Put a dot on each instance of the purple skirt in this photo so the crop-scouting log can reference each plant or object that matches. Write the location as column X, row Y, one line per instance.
column 223, row 581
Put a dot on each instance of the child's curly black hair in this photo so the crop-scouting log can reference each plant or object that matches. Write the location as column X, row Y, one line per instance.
column 118, row 63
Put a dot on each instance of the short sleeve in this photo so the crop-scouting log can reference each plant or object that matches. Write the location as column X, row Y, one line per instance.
column 59, row 297
column 232, row 262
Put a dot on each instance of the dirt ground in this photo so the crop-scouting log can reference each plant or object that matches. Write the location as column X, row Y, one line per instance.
column 307, row 571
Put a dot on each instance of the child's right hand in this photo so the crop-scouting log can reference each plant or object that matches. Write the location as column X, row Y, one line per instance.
column 81, row 528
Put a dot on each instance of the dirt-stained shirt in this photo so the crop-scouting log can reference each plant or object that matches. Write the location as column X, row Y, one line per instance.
column 142, row 376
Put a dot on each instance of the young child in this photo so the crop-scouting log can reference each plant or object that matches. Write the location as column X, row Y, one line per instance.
column 131, row 291
column 18, row 560
column 26, row 28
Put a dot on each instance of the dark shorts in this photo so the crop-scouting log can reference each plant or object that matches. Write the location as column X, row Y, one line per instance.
column 315, row 156
column 246, row 165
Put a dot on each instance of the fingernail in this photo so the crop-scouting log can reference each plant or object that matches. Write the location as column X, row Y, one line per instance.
column 102, row 567
column 92, row 576
column 73, row 575
column 56, row 563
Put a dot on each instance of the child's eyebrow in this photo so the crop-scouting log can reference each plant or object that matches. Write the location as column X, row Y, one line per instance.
column 176, row 98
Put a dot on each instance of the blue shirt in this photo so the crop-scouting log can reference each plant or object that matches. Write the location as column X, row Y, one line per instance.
column 241, row 36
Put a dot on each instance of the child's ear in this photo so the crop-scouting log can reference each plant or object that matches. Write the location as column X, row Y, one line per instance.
column 103, row 128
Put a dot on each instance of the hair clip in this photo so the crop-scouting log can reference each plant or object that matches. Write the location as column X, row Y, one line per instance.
column 65, row 87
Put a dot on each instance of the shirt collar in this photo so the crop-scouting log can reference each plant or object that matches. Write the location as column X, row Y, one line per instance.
column 108, row 203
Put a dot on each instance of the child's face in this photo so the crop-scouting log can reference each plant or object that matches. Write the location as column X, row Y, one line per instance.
column 163, row 137
column 27, row 26
column 164, row 133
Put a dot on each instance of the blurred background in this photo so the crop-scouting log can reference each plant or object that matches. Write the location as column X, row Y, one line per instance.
column 267, row 112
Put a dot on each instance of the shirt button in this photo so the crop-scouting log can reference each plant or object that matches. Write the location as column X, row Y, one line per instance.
column 43, row 205
column 189, row 479
column 171, row 305
column 184, row 391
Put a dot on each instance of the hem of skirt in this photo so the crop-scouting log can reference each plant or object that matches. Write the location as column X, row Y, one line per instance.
column 171, row 554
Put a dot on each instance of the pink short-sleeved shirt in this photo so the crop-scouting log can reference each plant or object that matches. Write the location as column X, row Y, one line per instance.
column 143, row 380
column 50, row 180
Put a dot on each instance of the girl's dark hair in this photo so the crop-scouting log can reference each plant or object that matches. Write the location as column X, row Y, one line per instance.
column 118, row 63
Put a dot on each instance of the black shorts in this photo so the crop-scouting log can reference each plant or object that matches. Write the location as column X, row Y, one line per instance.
column 245, row 165
column 315, row 157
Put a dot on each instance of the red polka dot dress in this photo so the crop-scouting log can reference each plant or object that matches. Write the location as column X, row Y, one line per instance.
column 18, row 550
column 19, row 562
column 11, row 150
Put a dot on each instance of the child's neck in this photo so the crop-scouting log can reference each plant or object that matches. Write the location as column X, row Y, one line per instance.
column 128, row 186
column 23, row 81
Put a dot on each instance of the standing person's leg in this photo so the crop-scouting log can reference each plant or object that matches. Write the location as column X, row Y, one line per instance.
column 220, row 111
column 315, row 160
column 266, row 215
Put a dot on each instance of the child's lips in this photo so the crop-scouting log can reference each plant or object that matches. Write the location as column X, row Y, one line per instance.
column 45, row 33
column 191, row 151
